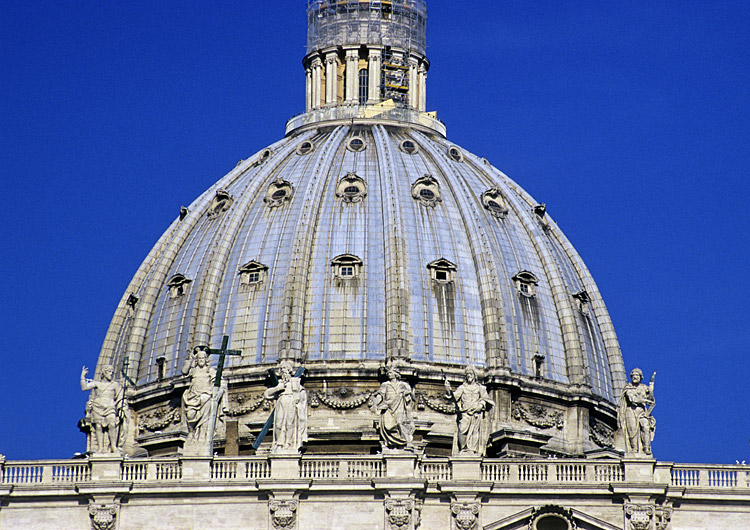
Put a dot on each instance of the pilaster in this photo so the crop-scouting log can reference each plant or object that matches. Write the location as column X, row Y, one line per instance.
column 374, row 59
column 352, row 76
column 331, row 77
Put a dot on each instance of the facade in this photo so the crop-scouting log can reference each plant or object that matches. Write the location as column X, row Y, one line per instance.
column 365, row 324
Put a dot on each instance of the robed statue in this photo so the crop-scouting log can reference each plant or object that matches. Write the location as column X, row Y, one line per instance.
column 634, row 413
column 394, row 401
column 196, row 400
column 290, row 412
column 104, row 410
column 472, row 403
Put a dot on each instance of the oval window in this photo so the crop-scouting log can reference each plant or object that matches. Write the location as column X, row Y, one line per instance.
column 426, row 193
column 407, row 146
column 304, row 148
column 455, row 154
column 278, row 195
column 351, row 190
column 356, row 144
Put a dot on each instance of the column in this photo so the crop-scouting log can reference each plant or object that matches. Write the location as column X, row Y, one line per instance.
column 308, row 89
column 316, row 68
column 374, row 69
column 351, row 80
column 413, row 83
column 331, row 78
column 422, row 88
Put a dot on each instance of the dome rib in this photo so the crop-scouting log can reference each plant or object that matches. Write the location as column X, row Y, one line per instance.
column 492, row 313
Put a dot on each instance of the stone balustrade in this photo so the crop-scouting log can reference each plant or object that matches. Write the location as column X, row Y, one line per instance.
column 363, row 468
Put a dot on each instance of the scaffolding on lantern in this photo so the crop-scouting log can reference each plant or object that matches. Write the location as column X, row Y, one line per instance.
column 390, row 23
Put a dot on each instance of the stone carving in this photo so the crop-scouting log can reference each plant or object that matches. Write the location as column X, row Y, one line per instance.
column 394, row 401
column 426, row 191
column 465, row 515
column 401, row 513
column 601, row 434
column 221, row 203
column 436, row 403
column 159, row 419
column 104, row 410
column 634, row 413
column 246, row 403
column 290, row 412
column 472, row 403
column 342, row 399
column 554, row 513
column 639, row 516
column 538, row 416
column 283, row 514
column 663, row 517
column 102, row 516
column 196, row 400
column 279, row 192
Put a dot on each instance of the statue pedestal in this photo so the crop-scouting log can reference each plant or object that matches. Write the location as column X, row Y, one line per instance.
column 400, row 465
column 639, row 468
column 105, row 467
column 285, row 466
column 466, row 467
column 196, row 467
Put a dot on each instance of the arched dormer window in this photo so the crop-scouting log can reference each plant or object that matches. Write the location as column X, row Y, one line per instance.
column 346, row 267
column 252, row 273
column 526, row 283
column 494, row 202
column 364, row 86
column 178, row 285
column 279, row 192
column 442, row 271
column 351, row 188
column 221, row 202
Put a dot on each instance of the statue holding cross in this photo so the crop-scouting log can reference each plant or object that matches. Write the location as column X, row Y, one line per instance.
column 204, row 397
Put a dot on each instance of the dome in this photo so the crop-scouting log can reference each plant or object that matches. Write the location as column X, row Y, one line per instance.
column 362, row 239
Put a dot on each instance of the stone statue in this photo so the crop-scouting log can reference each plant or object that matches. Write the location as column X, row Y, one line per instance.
column 394, row 401
column 472, row 403
column 196, row 400
column 290, row 412
column 104, row 409
column 634, row 413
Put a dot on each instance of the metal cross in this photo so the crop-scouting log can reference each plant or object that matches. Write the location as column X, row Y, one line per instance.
column 217, row 394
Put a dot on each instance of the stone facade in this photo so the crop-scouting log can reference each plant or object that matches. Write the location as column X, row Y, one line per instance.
column 391, row 492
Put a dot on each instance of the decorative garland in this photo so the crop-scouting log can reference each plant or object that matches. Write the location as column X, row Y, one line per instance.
column 159, row 419
column 436, row 403
column 330, row 401
column 601, row 434
column 246, row 406
column 539, row 416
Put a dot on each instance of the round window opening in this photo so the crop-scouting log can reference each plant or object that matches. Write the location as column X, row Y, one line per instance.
column 356, row 144
column 351, row 190
column 427, row 194
column 455, row 154
column 278, row 195
column 551, row 522
column 265, row 154
column 408, row 146
column 305, row 148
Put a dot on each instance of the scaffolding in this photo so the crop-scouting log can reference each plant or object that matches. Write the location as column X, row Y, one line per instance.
column 394, row 79
column 396, row 23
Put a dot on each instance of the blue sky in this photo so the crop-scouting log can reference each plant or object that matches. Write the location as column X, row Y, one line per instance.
column 630, row 120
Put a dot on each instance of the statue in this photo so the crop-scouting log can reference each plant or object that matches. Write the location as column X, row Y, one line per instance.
column 104, row 409
column 394, row 401
column 472, row 402
column 634, row 413
column 290, row 412
column 196, row 400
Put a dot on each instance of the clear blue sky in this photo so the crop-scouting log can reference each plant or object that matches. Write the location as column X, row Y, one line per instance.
column 629, row 119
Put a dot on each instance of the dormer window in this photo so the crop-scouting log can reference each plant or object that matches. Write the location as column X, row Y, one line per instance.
column 526, row 283
column 540, row 210
column 351, row 188
column 583, row 299
column 264, row 155
column 442, row 271
column 252, row 273
column 426, row 191
column 494, row 202
column 346, row 267
column 220, row 204
column 132, row 301
column 279, row 192
column 178, row 285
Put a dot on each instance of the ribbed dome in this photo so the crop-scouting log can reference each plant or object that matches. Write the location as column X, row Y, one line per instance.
column 397, row 244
